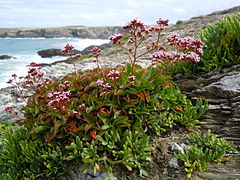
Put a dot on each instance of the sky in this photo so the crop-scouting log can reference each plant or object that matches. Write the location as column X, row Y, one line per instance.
column 58, row 13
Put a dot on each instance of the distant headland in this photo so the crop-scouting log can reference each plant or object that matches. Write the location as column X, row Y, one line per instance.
column 68, row 32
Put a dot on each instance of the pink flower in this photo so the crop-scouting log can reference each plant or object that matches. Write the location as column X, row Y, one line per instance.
column 96, row 52
column 186, row 43
column 40, row 74
column 9, row 109
column 33, row 64
column 38, row 85
column 116, row 38
column 58, row 97
column 78, row 56
column 48, row 80
column 106, row 86
column 99, row 83
column 135, row 23
column 75, row 112
column 132, row 79
column 10, row 81
column 113, row 75
column 162, row 22
column 67, row 83
column 159, row 55
column 82, row 106
column 31, row 70
column 193, row 57
column 68, row 50
column 50, row 95
column 61, row 86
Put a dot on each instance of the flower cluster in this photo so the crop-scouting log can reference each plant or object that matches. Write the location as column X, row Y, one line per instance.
column 34, row 80
column 138, row 34
column 65, row 85
column 96, row 52
column 9, row 109
column 104, row 86
column 58, row 98
column 189, row 48
column 132, row 79
column 186, row 43
column 176, row 56
column 113, row 75
column 133, row 24
column 68, row 50
column 99, row 83
column 116, row 38
column 163, row 22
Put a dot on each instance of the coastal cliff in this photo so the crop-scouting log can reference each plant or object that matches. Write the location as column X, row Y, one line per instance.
column 69, row 32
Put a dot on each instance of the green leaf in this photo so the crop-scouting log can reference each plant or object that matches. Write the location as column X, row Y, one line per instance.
column 142, row 172
column 128, row 68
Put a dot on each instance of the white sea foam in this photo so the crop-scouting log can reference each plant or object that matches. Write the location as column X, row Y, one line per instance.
column 25, row 51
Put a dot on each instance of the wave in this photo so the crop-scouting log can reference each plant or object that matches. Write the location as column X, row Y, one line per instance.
column 25, row 52
column 54, row 38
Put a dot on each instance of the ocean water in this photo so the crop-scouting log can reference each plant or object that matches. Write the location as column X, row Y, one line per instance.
column 25, row 51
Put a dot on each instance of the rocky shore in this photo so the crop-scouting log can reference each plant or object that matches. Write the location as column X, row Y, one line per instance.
column 220, row 88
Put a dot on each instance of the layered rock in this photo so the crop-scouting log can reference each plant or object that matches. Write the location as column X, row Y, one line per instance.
column 222, row 90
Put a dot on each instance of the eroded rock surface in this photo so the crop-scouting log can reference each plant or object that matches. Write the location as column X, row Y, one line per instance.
column 222, row 90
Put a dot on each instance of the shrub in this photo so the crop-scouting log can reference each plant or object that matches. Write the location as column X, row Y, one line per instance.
column 179, row 22
column 104, row 116
column 207, row 148
column 222, row 44
column 222, row 47
column 23, row 158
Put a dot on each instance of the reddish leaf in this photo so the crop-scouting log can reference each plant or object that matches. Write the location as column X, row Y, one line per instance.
column 67, row 115
column 168, row 84
column 144, row 95
column 102, row 110
column 179, row 108
column 141, row 95
column 50, row 137
column 79, row 117
column 126, row 99
column 93, row 134
column 73, row 127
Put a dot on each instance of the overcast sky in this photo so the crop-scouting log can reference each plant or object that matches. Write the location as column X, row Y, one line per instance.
column 53, row 13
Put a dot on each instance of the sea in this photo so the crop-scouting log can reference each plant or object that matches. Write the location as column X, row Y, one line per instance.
column 24, row 51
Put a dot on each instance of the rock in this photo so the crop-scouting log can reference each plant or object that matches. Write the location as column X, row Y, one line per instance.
column 173, row 163
column 87, row 50
column 8, row 98
column 178, row 147
column 6, row 57
column 76, row 174
column 222, row 90
column 53, row 52
column 50, row 53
